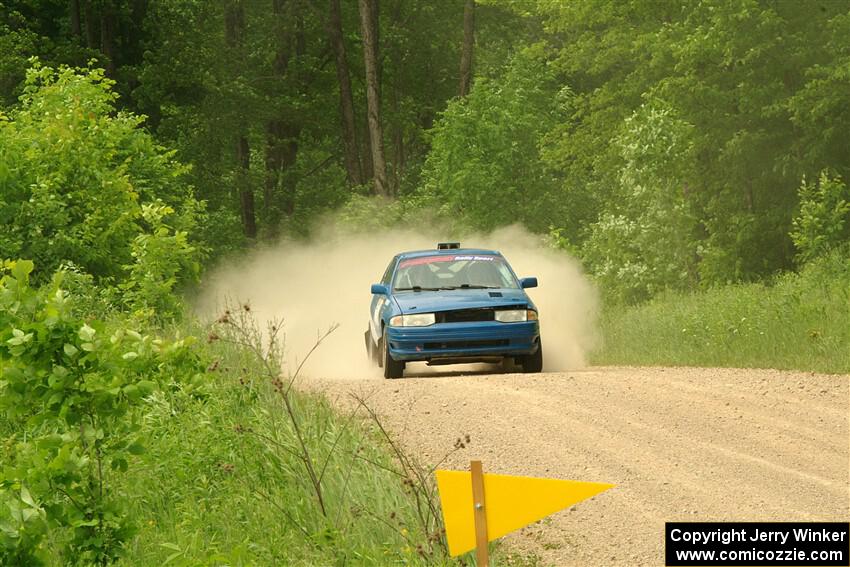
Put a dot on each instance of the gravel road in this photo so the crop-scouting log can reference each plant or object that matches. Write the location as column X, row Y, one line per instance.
column 682, row 444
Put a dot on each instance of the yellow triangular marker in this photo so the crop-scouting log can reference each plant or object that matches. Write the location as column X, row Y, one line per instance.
column 511, row 502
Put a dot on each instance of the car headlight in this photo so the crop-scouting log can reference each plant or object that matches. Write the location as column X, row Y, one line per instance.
column 516, row 315
column 415, row 320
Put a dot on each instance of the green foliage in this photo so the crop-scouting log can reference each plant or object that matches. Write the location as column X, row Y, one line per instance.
column 70, row 390
column 819, row 108
column 564, row 128
column 75, row 176
column 161, row 257
column 748, row 78
column 240, row 470
column 23, row 525
column 119, row 448
column 484, row 166
column 214, row 501
column 642, row 243
column 823, row 222
column 14, row 44
column 109, row 33
column 799, row 322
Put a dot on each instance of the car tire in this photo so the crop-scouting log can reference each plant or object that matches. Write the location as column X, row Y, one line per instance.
column 533, row 363
column 392, row 368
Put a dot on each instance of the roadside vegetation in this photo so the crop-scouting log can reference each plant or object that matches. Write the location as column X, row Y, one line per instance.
column 124, row 446
column 250, row 471
column 134, row 434
column 799, row 321
column 693, row 157
column 795, row 320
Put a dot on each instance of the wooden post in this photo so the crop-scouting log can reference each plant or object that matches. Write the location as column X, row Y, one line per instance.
column 482, row 553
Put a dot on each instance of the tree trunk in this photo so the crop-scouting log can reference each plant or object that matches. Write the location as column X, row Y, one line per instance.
column 369, row 28
column 275, row 126
column 366, row 162
column 281, row 156
column 289, row 155
column 282, row 132
column 74, row 17
column 92, row 29
column 397, row 135
column 246, row 193
column 346, row 98
column 234, row 31
column 397, row 124
column 273, row 161
column 468, row 44
column 376, row 27
column 133, row 44
column 108, row 25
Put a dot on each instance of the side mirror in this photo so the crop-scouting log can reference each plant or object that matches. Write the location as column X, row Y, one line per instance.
column 380, row 289
column 528, row 282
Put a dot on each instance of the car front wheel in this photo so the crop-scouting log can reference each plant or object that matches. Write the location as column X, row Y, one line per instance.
column 532, row 363
column 392, row 368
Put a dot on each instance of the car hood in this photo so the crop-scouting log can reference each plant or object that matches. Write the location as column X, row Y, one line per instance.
column 446, row 300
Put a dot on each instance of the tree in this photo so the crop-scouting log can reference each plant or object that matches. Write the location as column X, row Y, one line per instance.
column 468, row 45
column 749, row 77
column 369, row 29
column 346, row 98
column 108, row 25
column 282, row 130
column 234, row 32
column 76, row 176
column 644, row 240
column 485, row 167
column 74, row 19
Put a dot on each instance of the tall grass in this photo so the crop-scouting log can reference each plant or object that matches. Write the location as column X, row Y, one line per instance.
column 799, row 321
column 213, row 493
column 238, row 469
column 223, row 481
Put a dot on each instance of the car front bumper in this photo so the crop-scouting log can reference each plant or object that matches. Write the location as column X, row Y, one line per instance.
column 463, row 340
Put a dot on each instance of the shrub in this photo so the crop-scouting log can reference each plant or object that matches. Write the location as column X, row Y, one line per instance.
column 75, row 175
column 69, row 393
column 161, row 256
column 822, row 223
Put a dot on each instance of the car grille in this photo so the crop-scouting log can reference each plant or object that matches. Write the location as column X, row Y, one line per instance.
column 471, row 315
column 466, row 344
column 465, row 315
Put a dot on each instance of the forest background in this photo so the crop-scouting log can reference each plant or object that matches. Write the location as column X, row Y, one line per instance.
column 691, row 155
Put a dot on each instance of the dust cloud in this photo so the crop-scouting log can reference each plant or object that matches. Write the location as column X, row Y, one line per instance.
column 314, row 285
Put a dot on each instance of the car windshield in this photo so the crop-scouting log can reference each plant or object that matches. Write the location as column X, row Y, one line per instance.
column 446, row 272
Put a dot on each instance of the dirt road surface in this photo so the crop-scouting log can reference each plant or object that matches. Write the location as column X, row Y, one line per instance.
column 680, row 444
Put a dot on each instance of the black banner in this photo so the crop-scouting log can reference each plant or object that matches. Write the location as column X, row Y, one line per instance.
column 761, row 544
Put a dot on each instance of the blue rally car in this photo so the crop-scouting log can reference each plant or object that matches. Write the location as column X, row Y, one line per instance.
column 452, row 305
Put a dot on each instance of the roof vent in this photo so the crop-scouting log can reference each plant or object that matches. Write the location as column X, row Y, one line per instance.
column 448, row 245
